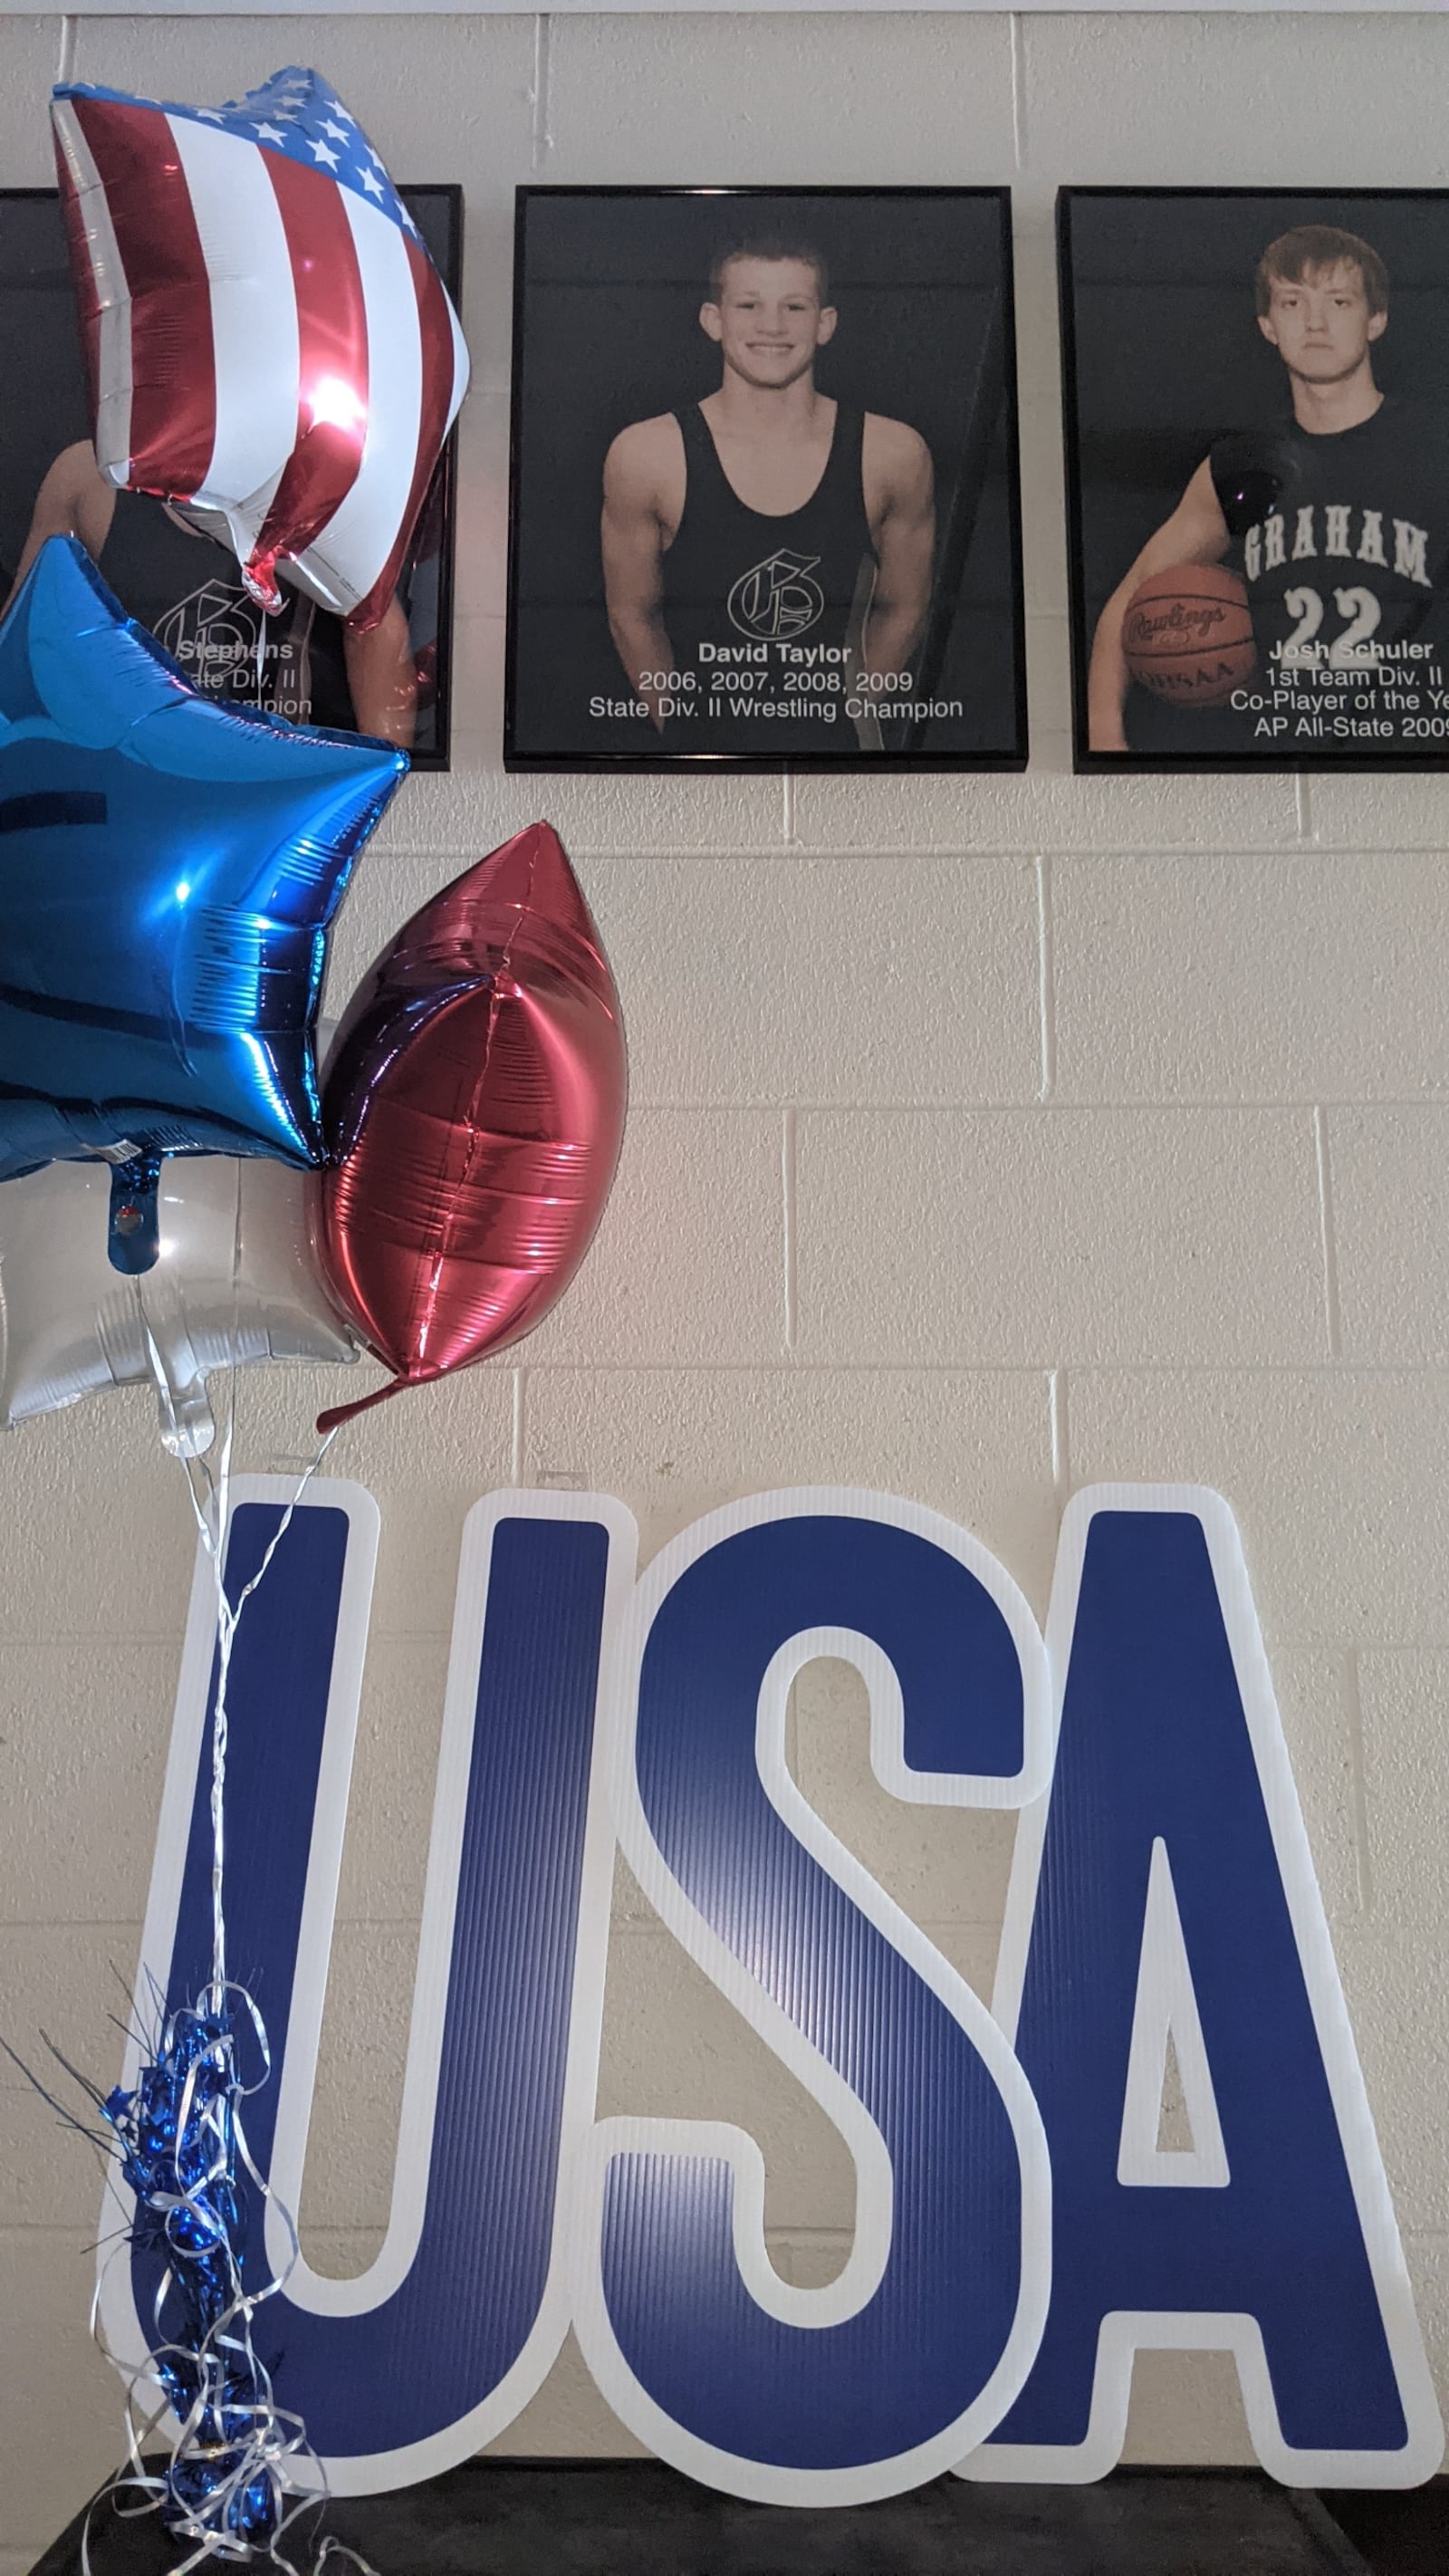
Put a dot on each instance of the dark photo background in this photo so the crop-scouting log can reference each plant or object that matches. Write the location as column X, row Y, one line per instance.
column 1161, row 355
column 607, row 295
column 46, row 410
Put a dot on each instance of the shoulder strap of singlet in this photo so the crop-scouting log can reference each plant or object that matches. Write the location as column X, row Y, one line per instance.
column 845, row 472
column 701, row 456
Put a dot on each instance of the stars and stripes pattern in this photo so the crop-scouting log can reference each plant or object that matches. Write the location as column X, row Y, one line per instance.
column 266, row 336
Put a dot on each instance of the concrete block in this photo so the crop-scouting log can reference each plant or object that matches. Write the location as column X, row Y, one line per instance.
column 50, row 2177
column 1393, row 1981
column 1390, row 1210
column 1428, row 2261
column 674, row 1444
column 1249, row 978
column 922, row 982
column 422, row 1525
column 83, row 1735
column 1044, row 809
column 99, row 1532
column 480, row 562
column 916, row 100
column 1316, row 1702
column 1185, row 2408
column 1040, row 1237
column 1377, row 812
column 32, row 63
column 1043, row 507
column 1038, row 346
column 61, row 2429
column 73, row 1985
column 688, row 1265
column 1327, row 1472
column 1404, row 1697
column 1049, row 681
column 1219, row 102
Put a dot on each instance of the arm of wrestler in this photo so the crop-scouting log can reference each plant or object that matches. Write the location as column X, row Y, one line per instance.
column 1197, row 532
column 898, row 476
column 632, row 542
column 74, row 500
column 382, row 677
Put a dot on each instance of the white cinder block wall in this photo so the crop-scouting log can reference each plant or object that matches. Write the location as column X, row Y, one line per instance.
column 988, row 1137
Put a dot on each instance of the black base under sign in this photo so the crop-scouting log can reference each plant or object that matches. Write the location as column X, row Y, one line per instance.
column 639, row 2518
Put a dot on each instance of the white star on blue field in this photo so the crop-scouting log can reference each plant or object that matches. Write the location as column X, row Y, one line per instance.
column 297, row 114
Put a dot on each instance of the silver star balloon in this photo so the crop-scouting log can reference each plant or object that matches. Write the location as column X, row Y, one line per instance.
column 234, row 1283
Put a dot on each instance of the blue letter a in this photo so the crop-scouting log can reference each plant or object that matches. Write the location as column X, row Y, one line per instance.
column 1166, row 1878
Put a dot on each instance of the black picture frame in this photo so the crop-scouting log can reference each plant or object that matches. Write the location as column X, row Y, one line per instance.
column 608, row 285
column 1165, row 367
column 38, row 319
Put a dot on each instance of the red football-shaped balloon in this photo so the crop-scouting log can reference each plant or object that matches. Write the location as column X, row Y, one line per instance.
column 473, row 1103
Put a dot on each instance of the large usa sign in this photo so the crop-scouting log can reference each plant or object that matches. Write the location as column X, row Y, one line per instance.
column 1020, row 2230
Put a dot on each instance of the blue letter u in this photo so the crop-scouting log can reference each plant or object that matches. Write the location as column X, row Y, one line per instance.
column 404, row 2372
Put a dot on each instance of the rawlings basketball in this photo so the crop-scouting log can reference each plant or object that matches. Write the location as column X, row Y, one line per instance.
column 1188, row 635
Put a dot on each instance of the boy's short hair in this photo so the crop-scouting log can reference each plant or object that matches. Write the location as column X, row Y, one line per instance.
column 771, row 246
column 1292, row 255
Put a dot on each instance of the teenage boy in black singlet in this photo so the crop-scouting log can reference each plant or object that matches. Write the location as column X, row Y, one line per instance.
column 186, row 588
column 1338, row 522
column 763, row 515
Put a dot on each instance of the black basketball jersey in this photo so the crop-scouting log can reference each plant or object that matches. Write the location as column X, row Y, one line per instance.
column 1346, row 550
column 188, row 591
column 739, row 576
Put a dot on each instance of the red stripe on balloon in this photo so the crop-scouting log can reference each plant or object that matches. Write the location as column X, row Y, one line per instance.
column 82, row 265
column 435, row 329
column 332, row 364
column 173, row 399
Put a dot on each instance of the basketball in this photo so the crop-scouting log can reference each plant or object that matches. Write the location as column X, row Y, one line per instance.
column 1188, row 635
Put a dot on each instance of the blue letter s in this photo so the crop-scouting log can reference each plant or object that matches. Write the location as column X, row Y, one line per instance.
column 863, row 2389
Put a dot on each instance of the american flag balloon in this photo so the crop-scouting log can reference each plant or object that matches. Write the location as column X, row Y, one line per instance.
column 267, row 339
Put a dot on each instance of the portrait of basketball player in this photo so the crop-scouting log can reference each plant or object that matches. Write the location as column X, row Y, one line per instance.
column 172, row 569
column 763, row 506
column 768, row 510
column 1290, row 605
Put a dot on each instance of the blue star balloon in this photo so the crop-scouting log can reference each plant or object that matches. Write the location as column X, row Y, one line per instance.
column 169, row 866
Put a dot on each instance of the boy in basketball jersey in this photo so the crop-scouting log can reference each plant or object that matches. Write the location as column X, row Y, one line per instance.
column 769, row 515
column 1338, row 523
column 186, row 588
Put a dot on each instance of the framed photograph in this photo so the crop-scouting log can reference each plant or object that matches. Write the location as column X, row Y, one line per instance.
column 765, row 511
column 186, row 588
column 1256, row 387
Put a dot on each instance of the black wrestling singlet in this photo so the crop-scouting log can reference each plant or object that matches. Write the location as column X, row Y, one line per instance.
column 747, row 590
column 188, row 591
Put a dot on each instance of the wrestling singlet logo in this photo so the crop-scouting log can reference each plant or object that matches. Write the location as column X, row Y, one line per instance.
column 213, row 634
column 777, row 598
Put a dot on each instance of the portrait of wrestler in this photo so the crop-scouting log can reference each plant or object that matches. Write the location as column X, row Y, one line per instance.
column 769, row 510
